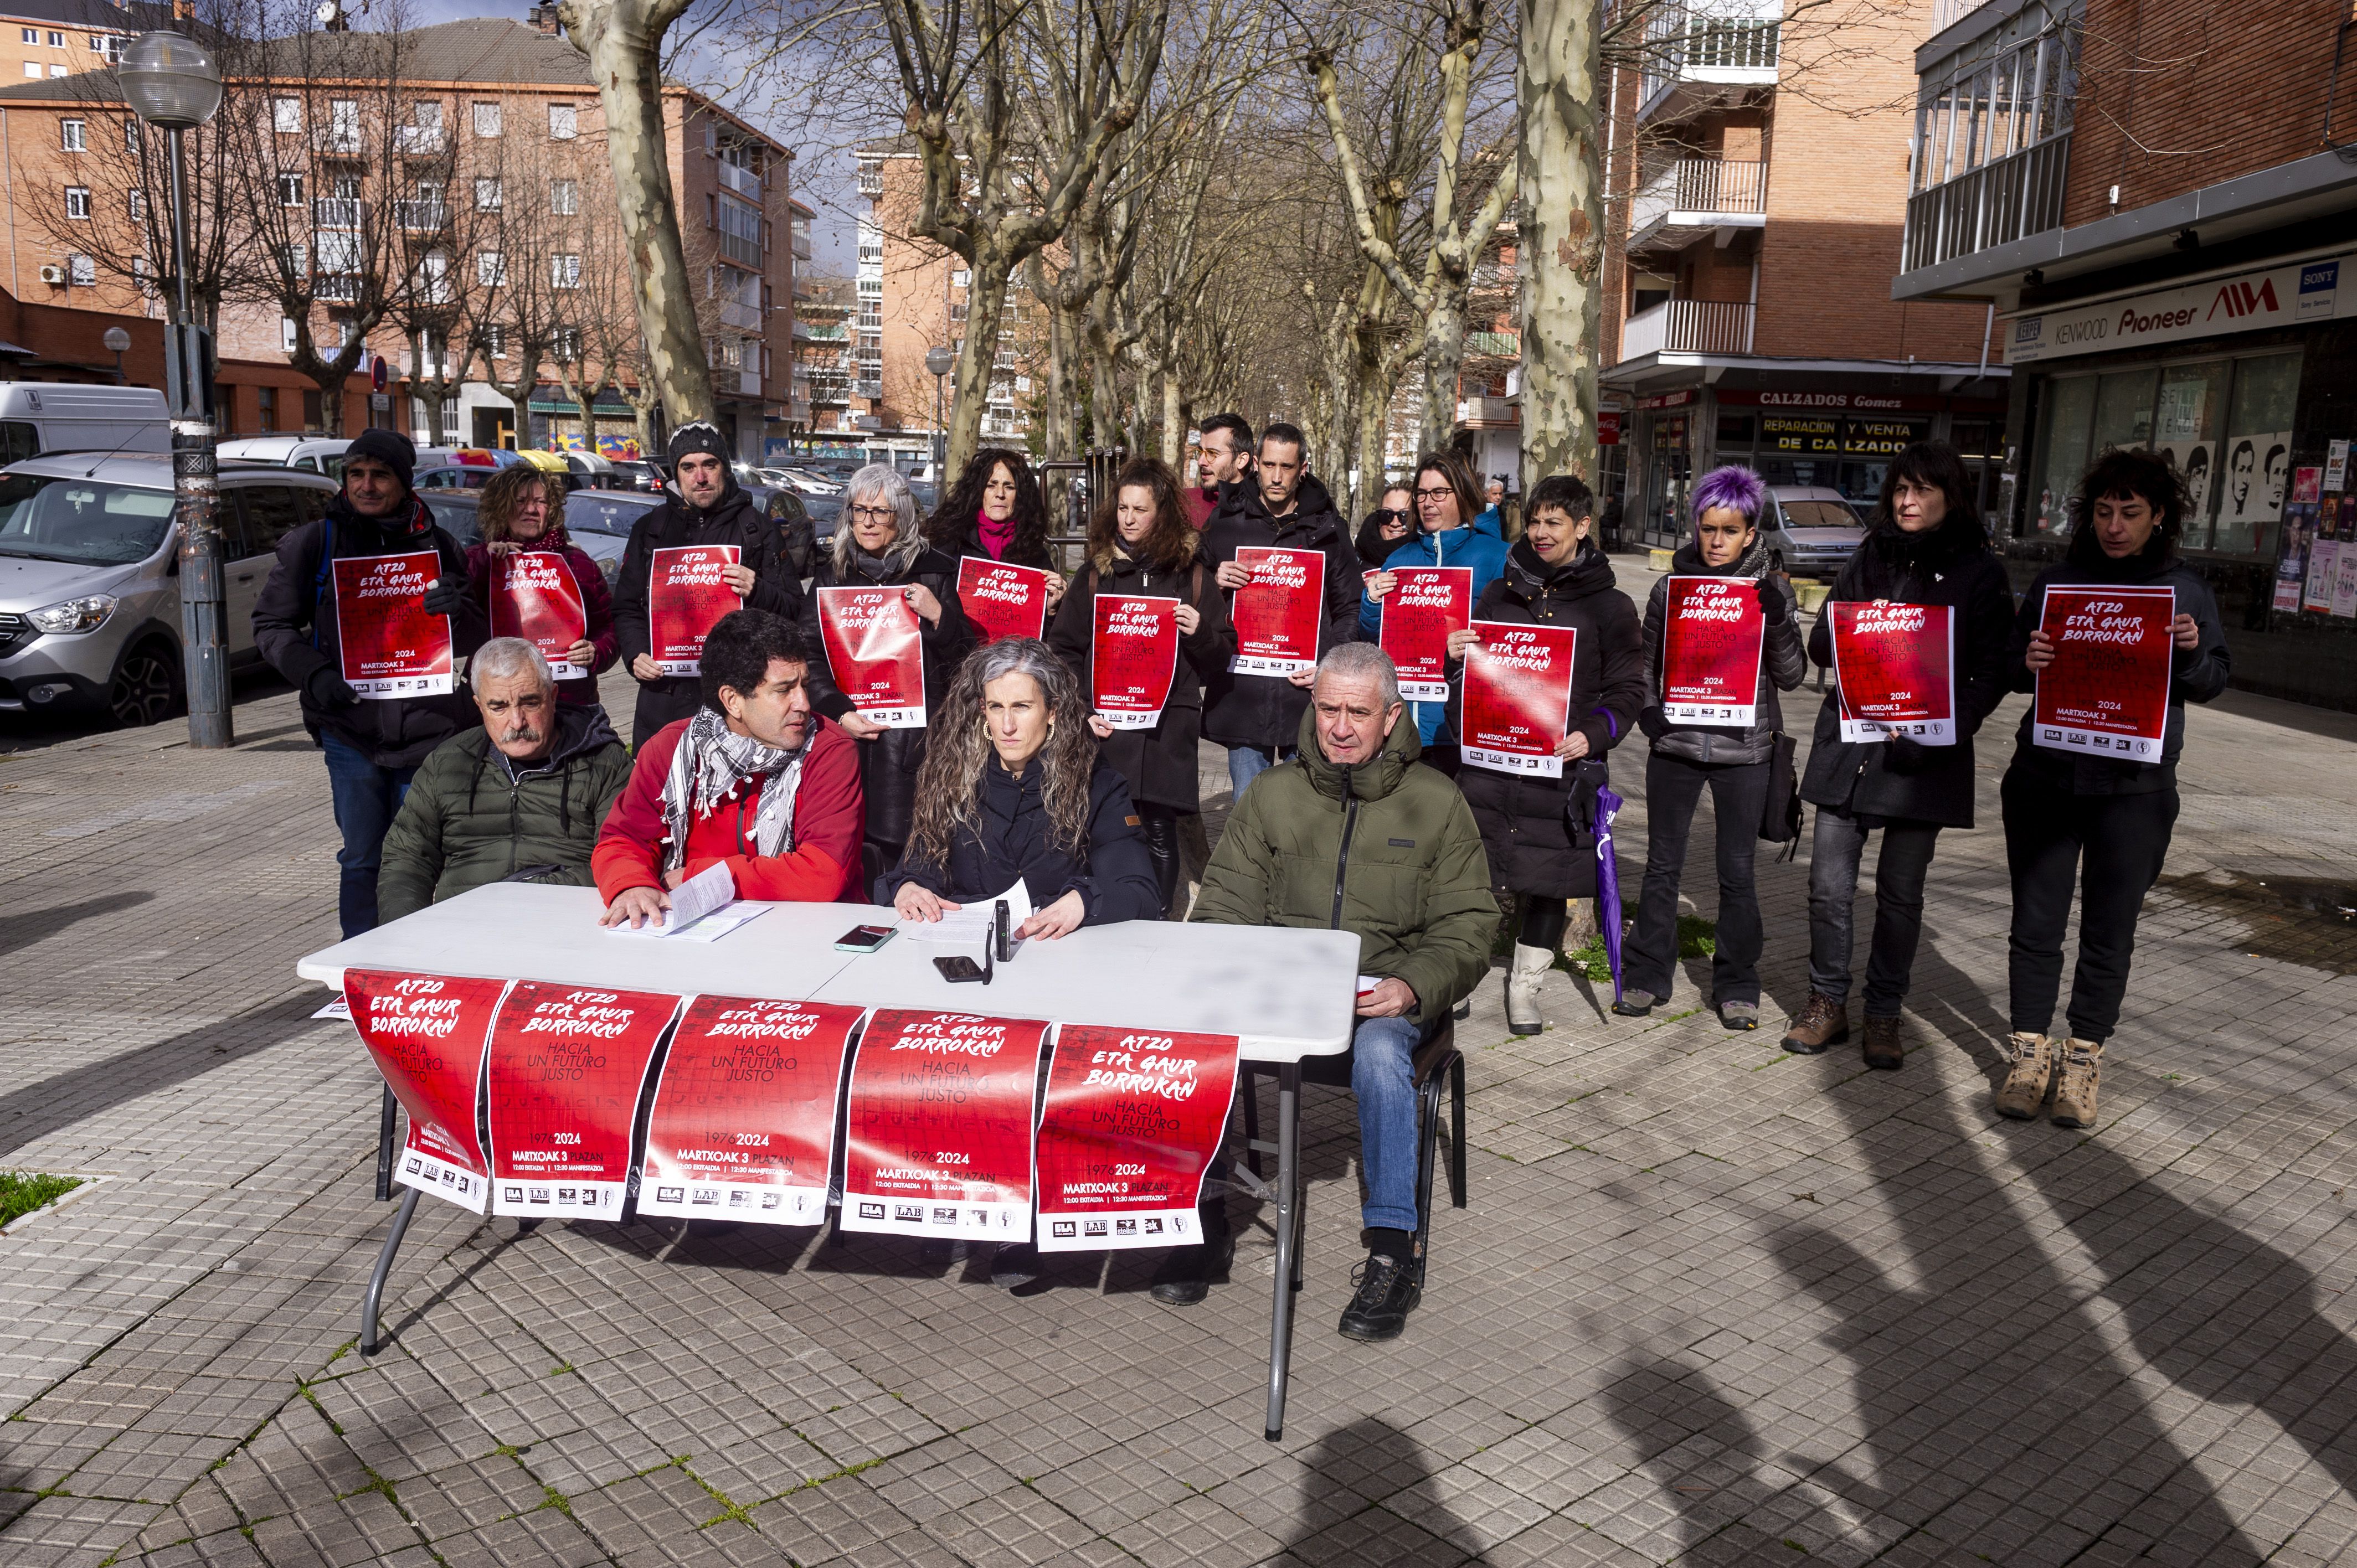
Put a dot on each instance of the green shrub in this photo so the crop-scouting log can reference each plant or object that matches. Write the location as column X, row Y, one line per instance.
column 21, row 1192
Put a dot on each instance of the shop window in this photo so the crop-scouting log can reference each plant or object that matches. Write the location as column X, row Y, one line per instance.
column 2124, row 409
column 2257, row 446
column 2062, row 453
column 2185, row 431
column 1735, row 435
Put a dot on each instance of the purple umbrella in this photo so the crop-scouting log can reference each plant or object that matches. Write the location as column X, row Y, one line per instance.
column 1607, row 882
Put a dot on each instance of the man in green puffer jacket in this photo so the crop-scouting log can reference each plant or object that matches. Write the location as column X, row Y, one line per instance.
column 1351, row 834
column 523, row 792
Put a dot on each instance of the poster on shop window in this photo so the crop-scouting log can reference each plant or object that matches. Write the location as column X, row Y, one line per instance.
column 568, row 1063
column 2323, row 573
column 391, row 646
column 875, row 652
column 535, row 596
column 1895, row 668
column 1131, row 1123
column 1425, row 604
column 743, row 1123
column 428, row 1035
column 1518, row 697
column 2107, row 693
column 939, row 1119
column 1132, row 656
column 1713, row 637
column 1278, row 612
column 686, row 596
column 1003, row 600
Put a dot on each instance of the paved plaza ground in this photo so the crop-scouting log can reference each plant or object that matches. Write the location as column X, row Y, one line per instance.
column 1710, row 1304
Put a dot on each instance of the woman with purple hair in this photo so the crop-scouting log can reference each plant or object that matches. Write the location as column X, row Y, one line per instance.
column 1729, row 760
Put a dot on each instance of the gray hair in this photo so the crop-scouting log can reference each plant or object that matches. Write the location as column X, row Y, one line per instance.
column 1362, row 661
column 504, row 658
column 887, row 482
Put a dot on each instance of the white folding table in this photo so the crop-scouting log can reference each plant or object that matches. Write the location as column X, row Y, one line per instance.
column 1285, row 994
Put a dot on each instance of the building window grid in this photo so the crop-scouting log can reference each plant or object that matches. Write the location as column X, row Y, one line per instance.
column 2003, row 94
column 73, row 135
column 78, row 202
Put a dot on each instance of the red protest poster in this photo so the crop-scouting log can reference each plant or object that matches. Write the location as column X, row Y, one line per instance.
column 1895, row 667
column 1424, row 606
column 2107, row 693
column 1002, row 600
column 939, row 1126
column 428, row 1033
column 390, row 647
column 1713, row 634
column 686, row 596
column 1518, row 697
column 1277, row 613
column 1131, row 1123
column 534, row 596
column 873, row 652
column 1132, row 654
column 743, row 1125
column 568, row 1064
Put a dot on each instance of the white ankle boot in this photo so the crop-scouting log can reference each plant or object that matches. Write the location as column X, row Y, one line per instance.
column 1530, row 965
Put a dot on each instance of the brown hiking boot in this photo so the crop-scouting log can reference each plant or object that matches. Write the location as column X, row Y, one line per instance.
column 2075, row 1091
column 1883, row 1047
column 1823, row 1021
column 2024, row 1089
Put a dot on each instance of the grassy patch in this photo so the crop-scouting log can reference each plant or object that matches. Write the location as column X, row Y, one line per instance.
column 21, row 1192
column 1697, row 938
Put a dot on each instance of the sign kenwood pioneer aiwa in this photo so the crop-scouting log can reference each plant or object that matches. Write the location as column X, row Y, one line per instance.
column 2280, row 296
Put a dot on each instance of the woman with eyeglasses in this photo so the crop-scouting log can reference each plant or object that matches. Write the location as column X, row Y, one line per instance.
column 1446, row 499
column 1387, row 527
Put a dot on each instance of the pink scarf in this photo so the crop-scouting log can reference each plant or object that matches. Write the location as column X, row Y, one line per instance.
column 996, row 536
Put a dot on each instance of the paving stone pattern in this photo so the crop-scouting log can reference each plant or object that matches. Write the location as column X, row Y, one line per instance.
column 1710, row 1304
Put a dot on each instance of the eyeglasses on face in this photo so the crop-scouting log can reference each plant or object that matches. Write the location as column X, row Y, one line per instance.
column 875, row 514
column 1422, row 495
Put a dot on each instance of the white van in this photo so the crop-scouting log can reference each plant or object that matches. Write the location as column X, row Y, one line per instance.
column 65, row 416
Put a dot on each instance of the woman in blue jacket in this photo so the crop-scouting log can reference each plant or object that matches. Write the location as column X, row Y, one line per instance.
column 1446, row 499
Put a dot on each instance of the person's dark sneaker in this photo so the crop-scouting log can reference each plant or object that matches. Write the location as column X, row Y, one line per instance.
column 1823, row 1021
column 1015, row 1266
column 1388, row 1291
column 1738, row 1016
column 1636, row 1003
column 1185, row 1274
column 1885, row 1048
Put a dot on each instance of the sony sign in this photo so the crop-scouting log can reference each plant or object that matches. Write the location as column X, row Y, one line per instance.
column 2280, row 296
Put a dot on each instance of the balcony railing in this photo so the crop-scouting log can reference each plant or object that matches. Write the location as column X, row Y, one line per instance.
column 832, row 390
column 337, row 288
column 745, row 318
column 743, row 181
column 336, row 212
column 1723, row 41
column 871, row 181
column 338, row 141
column 426, row 215
column 1689, row 326
column 418, row 141
column 1710, row 186
column 1996, row 204
column 748, row 383
column 739, row 249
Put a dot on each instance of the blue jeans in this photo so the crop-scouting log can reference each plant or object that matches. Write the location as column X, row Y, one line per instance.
column 1382, row 1077
column 366, row 798
column 1246, row 763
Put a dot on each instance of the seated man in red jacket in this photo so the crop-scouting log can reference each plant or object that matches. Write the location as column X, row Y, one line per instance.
column 754, row 780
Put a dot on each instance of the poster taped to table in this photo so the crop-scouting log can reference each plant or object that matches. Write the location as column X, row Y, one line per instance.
column 2107, row 693
column 1277, row 614
column 1425, row 604
column 568, row 1063
column 428, row 1034
column 1003, row 600
column 875, row 653
column 1713, row 639
column 938, row 1119
column 1895, row 667
column 1518, row 697
column 1133, row 656
column 535, row 596
column 686, row 596
column 1133, row 1121
column 390, row 646
column 743, row 1125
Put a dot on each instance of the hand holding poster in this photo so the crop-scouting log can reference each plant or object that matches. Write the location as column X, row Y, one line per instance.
column 566, row 1066
column 1425, row 604
column 2107, row 691
column 390, row 647
column 940, row 1123
column 1277, row 614
column 1894, row 666
column 428, row 1034
column 1518, row 697
column 1132, row 654
column 1002, row 600
column 686, row 596
column 743, row 1125
column 535, row 597
column 1713, row 637
column 1133, row 1121
column 874, row 653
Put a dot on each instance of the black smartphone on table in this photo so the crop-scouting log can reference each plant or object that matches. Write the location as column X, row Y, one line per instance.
column 960, row 969
column 863, row 938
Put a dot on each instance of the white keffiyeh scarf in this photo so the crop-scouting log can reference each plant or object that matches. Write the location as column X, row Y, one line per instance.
column 709, row 764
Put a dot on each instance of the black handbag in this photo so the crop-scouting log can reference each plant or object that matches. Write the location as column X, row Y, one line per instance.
column 1780, row 817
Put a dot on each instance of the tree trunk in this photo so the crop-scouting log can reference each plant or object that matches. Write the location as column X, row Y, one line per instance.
column 970, row 382
column 1561, row 245
column 1374, row 413
column 1174, row 427
column 1443, row 355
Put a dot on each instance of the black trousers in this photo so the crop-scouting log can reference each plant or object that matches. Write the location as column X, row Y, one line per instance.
column 1836, row 848
column 1738, row 794
column 1160, row 826
column 2112, row 846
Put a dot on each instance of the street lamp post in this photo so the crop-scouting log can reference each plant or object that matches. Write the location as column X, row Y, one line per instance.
column 940, row 362
column 174, row 84
column 117, row 340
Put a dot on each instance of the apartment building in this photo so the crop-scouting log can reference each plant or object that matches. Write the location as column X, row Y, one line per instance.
column 1757, row 189
column 824, row 308
column 51, row 38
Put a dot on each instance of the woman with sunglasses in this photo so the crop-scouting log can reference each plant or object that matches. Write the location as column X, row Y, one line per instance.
column 1387, row 527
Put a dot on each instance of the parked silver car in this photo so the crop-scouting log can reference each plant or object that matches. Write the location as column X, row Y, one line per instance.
column 90, row 584
column 1810, row 529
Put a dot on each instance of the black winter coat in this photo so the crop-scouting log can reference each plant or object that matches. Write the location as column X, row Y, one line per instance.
column 1372, row 548
column 675, row 525
column 1533, row 845
column 1950, row 565
column 295, row 630
column 1265, row 711
column 1783, row 662
column 888, row 764
column 1115, row 877
column 1159, row 763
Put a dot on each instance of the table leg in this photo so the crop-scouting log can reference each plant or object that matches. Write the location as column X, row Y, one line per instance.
column 385, row 1131
column 370, row 1301
column 1285, row 1277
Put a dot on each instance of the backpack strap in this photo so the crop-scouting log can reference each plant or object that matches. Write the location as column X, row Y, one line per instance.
column 327, row 564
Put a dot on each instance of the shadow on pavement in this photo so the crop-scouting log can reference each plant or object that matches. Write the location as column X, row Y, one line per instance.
column 1374, row 1462
column 38, row 924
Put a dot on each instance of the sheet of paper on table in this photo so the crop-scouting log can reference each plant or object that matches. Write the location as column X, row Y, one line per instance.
column 970, row 925
column 702, row 909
